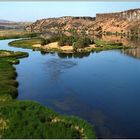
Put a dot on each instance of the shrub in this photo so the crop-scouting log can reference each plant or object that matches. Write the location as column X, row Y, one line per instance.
column 54, row 38
column 43, row 41
column 47, row 41
column 119, row 44
column 82, row 43
column 67, row 40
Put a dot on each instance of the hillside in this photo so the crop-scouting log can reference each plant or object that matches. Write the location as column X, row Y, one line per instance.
column 68, row 23
column 4, row 21
column 5, row 24
column 126, row 23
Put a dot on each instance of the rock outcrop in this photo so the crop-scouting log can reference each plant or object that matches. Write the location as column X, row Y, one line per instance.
column 127, row 22
column 129, row 15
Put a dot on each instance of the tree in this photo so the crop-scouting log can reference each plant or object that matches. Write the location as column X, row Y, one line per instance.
column 43, row 41
column 82, row 42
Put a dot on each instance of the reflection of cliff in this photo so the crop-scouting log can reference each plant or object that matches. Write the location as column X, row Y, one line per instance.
column 134, row 43
column 132, row 52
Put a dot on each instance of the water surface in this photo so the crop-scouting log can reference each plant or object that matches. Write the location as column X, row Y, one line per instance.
column 102, row 88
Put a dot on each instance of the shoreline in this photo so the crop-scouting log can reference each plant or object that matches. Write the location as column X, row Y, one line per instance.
column 80, row 127
column 54, row 47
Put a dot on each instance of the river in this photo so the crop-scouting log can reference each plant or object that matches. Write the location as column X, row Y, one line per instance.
column 102, row 88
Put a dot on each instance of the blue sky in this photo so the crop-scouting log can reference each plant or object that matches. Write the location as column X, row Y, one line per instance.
column 31, row 11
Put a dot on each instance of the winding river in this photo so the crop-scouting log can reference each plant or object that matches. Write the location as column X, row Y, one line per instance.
column 103, row 88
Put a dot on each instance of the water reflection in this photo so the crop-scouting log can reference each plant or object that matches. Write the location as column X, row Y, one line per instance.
column 132, row 52
column 68, row 55
column 73, row 55
column 133, row 43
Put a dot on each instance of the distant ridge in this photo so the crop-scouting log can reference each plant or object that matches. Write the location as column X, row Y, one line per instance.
column 5, row 21
column 6, row 24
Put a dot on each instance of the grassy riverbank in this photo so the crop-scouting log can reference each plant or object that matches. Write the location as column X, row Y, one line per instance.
column 102, row 45
column 67, row 44
column 13, row 34
column 25, row 43
column 27, row 119
column 8, row 74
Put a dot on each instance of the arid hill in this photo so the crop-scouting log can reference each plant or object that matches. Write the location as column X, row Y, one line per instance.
column 5, row 24
column 70, row 24
column 124, row 23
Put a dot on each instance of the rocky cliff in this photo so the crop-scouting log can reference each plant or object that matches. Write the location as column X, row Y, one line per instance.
column 126, row 23
column 129, row 15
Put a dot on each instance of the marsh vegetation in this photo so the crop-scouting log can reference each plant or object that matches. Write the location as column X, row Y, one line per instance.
column 67, row 44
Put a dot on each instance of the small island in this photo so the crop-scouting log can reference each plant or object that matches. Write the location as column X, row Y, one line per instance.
column 66, row 44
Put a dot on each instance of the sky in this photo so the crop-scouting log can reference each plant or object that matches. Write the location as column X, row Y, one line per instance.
column 31, row 11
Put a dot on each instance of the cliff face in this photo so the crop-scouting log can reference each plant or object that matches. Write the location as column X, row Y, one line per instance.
column 130, row 15
column 126, row 22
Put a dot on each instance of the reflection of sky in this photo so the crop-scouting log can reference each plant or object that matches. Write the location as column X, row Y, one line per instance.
column 30, row 11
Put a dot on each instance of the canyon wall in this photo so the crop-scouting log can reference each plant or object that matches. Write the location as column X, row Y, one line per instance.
column 130, row 15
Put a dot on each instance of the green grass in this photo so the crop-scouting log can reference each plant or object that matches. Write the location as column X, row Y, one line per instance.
column 8, row 74
column 12, row 55
column 102, row 45
column 25, row 43
column 27, row 119
column 5, row 98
